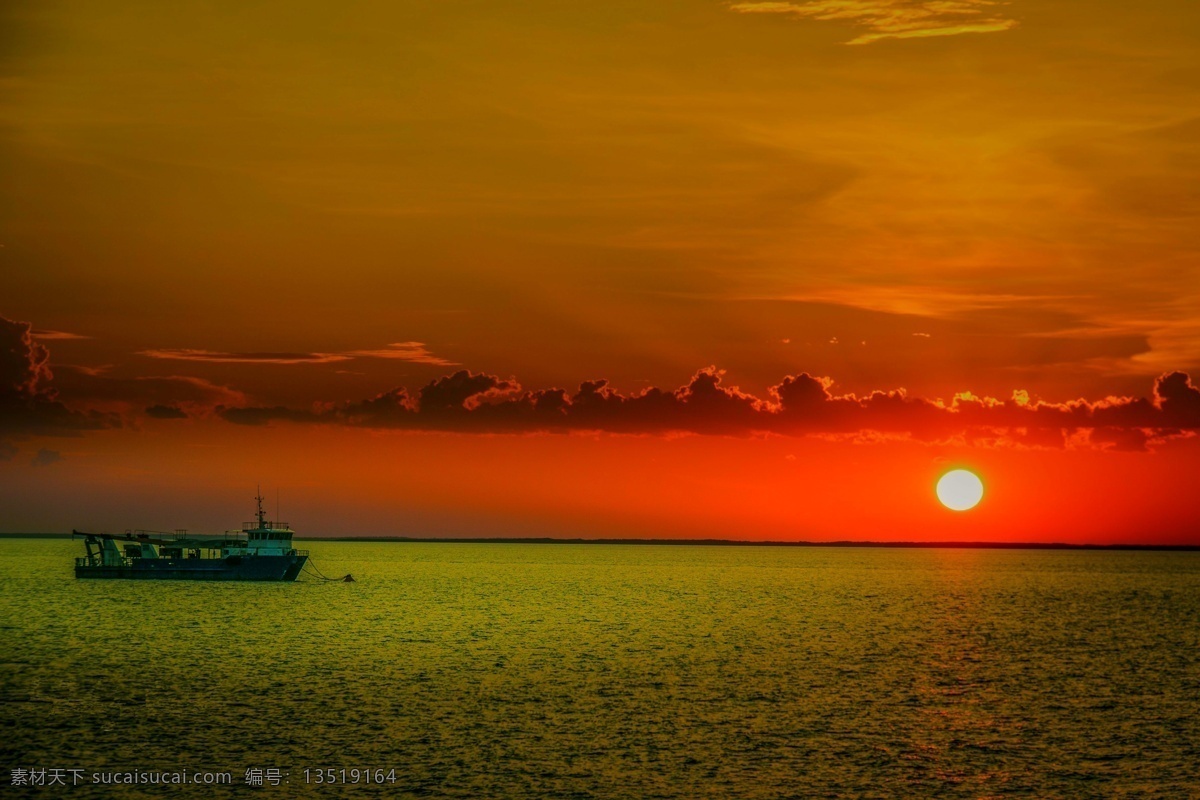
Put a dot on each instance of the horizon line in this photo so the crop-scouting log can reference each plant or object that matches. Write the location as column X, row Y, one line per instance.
column 955, row 545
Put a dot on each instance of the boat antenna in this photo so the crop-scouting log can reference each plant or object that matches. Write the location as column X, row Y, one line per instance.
column 261, row 514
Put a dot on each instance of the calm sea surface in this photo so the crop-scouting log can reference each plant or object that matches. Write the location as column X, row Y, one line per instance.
column 576, row 671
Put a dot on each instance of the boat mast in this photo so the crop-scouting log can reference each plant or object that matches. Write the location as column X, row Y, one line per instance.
column 262, row 516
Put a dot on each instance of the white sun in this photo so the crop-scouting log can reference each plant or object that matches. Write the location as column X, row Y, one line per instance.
column 960, row 489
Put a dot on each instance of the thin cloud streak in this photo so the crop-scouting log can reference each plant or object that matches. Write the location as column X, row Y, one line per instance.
column 415, row 352
column 217, row 357
column 895, row 19
column 924, row 301
column 56, row 335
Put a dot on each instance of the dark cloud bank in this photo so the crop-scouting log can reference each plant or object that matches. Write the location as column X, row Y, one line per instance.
column 166, row 412
column 800, row 404
column 28, row 403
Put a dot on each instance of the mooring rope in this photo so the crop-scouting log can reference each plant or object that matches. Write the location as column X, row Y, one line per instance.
column 347, row 578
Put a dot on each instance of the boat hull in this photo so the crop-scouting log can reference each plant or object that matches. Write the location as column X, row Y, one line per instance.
column 234, row 568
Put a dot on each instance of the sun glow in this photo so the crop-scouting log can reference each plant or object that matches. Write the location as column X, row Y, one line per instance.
column 960, row 490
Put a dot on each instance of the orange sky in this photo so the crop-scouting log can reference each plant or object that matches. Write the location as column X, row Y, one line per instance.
column 293, row 208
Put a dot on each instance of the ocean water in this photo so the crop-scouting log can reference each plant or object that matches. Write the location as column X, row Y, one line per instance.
column 596, row 671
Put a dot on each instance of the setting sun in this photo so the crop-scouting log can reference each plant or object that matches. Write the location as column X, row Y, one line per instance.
column 601, row 355
column 960, row 490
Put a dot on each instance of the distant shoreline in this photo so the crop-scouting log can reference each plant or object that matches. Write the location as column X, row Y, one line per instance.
column 711, row 542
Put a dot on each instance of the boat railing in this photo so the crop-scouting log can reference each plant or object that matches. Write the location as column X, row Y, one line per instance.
column 267, row 523
column 84, row 561
column 126, row 561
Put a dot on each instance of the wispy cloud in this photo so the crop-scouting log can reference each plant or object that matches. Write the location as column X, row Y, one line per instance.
column 415, row 352
column 895, row 19
column 104, row 392
column 45, row 458
column 925, row 300
column 41, row 334
column 218, row 357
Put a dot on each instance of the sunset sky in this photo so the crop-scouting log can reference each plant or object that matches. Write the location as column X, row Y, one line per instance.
column 687, row 268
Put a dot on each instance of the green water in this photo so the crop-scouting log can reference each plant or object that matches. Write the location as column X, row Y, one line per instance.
column 575, row 671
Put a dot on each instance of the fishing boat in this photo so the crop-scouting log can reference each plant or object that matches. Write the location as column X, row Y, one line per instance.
column 261, row 551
